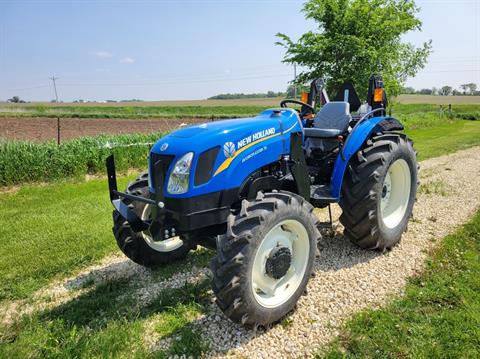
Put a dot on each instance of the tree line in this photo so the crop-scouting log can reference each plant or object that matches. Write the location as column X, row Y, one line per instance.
column 469, row 89
column 235, row 96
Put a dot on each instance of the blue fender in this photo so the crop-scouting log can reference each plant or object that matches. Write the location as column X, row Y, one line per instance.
column 354, row 142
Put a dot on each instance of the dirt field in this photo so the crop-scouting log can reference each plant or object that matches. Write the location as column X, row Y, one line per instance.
column 44, row 129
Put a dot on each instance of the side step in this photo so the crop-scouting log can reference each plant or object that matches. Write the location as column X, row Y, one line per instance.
column 320, row 195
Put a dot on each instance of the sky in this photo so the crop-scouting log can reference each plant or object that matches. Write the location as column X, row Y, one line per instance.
column 190, row 49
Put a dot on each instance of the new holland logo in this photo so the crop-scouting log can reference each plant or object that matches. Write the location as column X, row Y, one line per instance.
column 229, row 149
column 164, row 147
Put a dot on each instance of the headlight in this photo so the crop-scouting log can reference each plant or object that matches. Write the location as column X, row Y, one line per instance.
column 178, row 180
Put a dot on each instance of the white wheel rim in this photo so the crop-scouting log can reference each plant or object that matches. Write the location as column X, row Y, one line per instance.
column 167, row 245
column 395, row 193
column 270, row 292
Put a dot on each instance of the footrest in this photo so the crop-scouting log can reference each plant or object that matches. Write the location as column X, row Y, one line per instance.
column 320, row 194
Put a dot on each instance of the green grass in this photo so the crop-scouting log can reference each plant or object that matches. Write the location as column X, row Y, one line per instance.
column 445, row 138
column 47, row 233
column 108, row 322
column 439, row 316
column 205, row 109
column 71, row 111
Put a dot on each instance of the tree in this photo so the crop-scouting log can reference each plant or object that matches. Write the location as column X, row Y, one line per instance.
column 407, row 91
column 472, row 88
column 445, row 91
column 14, row 99
column 464, row 88
column 425, row 92
column 356, row 38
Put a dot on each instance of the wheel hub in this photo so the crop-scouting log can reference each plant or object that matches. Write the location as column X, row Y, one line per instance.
column 278, row 262
column 395, row 193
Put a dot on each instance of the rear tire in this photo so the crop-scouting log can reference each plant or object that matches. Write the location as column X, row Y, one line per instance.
column 379, row 192
column 139, row 247
column 265, row 259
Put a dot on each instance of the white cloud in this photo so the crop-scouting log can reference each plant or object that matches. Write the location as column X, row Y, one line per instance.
column 103, row 54
column 127, row 60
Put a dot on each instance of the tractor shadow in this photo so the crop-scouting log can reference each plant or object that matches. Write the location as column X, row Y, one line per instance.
column 337, row 252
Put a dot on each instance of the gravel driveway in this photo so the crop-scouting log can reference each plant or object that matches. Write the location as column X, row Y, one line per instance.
column 347, row 279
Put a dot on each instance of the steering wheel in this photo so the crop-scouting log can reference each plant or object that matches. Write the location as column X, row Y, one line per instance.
column 283, row 104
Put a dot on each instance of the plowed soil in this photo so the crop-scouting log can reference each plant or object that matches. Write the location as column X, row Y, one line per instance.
column 40, row 129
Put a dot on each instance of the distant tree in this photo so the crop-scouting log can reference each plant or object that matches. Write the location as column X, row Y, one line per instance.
column 236, row 96
column 425, row 92
column 408, row 90
column 435, row 91
column 15, row 99
column 471, row 88
column 464, row 88
column 356, row 38
column 457, row 93
column 446, row 91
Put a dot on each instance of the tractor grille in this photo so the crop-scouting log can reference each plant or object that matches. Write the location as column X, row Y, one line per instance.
column 166, row 161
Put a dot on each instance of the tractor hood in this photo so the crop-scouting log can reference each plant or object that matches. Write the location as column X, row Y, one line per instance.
column 237, row 141
column 201, row 137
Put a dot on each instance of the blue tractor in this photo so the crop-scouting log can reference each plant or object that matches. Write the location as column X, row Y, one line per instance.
column 248, row 187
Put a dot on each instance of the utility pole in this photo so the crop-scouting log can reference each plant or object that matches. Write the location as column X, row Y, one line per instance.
column 53, row 78
column 295, row 80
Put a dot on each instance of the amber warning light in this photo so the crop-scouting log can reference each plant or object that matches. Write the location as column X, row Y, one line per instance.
column 378, row 95
column 304, row 97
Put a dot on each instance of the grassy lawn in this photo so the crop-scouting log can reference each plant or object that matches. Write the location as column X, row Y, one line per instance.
column 445, row 138
column 439, row 316
column 47, row 231
column 106, row 322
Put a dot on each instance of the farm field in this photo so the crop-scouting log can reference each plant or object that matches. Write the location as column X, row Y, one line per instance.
column 41, row 129
column 39, row 122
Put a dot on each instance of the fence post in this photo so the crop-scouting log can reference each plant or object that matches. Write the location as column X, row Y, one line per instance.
column 58, row 131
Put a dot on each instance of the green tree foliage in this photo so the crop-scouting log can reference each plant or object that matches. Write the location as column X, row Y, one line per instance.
column 445, row 91
column 356, row 38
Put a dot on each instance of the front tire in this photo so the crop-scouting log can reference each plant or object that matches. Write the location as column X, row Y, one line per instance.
column 140, row 247
column 265, row 259
column 379, row 192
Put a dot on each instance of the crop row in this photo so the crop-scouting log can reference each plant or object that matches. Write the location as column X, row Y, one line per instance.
column 23, row 161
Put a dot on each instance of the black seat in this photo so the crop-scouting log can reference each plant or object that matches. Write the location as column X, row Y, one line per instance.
column 332, row 120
